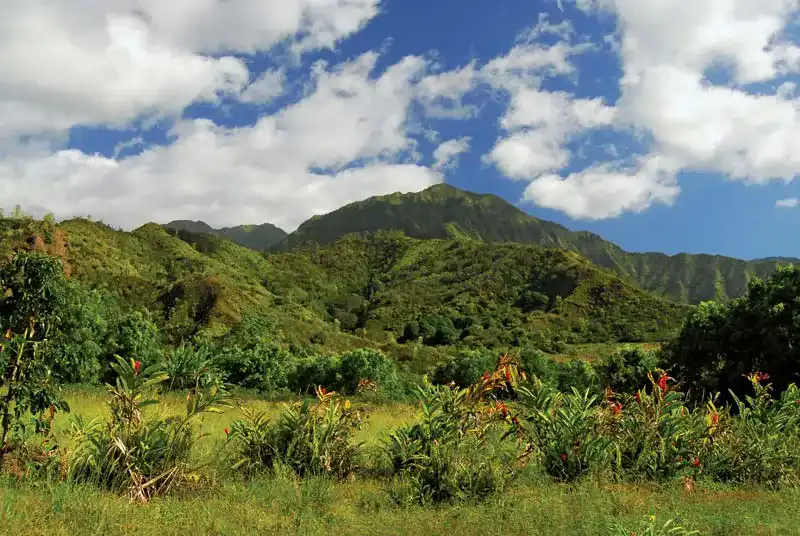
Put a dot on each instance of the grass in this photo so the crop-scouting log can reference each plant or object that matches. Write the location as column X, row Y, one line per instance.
column 281, row 504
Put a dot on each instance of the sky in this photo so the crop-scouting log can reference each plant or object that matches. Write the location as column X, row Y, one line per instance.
column 662, row 125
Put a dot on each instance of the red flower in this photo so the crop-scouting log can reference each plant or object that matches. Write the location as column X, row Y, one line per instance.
column 564, row 457
column 616, row 408
column 762, row 377
column 638, row 398
column 485, row 376
column 227, row 431
column 508, row 376
column 696, row 462
column 503, row 409
column 137, row 365
column 714, row 418
column 662, row 382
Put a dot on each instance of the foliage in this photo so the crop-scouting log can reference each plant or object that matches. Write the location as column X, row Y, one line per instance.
column 192, row 366
column 453, row 452
column 719, row 344
column 564, row 432
column 145, row 457
column 627, row 369
column 310, row 438
column 29, row 299
column 251, row 358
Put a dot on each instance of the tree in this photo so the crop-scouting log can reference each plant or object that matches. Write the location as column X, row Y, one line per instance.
column 720, row 343
column 30, row 300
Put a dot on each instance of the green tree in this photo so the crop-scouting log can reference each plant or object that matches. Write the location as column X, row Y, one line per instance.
column 720, row 343
column 30, row 300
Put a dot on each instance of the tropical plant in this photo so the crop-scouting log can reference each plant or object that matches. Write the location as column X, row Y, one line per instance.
column 129, row 452
column 311, row 438
column 453, row 452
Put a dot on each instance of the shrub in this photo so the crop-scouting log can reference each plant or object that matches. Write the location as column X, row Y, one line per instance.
column 564, row 432
column 574, row 374
column 310, row 438
column 366, row 364
column 627, row 370
column 128, row 452
column 762, row 444
column 454, row 452
column 191, row 367
column 656, row 437
column 29, row 303
column 263, row 366
column 465, row 368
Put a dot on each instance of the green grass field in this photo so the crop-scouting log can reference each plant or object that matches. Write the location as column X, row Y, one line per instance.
column 281, row 504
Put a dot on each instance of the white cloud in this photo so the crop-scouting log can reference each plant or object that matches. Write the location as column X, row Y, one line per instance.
column 666, row 49
column 442, row 94
column 540, row 123
column 789, row 202
column 268, row 86
column 110, row 61
column 446, row 154
column 343, row 142
column 605, row 192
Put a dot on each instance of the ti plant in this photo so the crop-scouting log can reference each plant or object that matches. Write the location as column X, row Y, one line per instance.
column 129, row 452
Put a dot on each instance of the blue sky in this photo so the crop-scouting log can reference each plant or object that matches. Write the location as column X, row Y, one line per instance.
column 662, row 125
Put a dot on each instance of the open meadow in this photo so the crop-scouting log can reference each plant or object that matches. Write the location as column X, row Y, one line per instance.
column 223, row 504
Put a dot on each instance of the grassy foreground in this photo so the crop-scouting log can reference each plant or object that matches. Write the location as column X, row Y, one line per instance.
column 284, row 505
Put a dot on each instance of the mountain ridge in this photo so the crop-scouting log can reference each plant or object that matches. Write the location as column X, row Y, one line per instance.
column 445, row 211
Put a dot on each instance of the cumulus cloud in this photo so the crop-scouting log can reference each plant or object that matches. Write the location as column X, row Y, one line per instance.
column 666, row 49
column 355, row 129
column 726, row 128
column 265, row 88
column 604, row 191
column 341, row 143
column 446, row 155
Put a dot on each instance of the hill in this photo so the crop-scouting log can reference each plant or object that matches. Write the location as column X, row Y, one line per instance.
column 382, row 289
column 445, row 212
column 259, row 237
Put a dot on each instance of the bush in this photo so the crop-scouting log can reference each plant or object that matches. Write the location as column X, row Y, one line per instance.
column 465, row 368
column 310, row 438
column 627, row 370
column 191, row 366
column 564, row 432
column 127, row 452
column 575, row 374
column 454, row 451
column 366, row 364
column 720, row 343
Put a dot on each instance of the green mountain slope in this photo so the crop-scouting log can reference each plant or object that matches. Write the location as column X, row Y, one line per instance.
column 382, row 289
column 258, row 237
column 443, row 211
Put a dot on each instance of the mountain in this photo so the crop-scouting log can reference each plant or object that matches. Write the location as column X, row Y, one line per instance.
column 443, row 211
column 258, row 237
column 382, row 289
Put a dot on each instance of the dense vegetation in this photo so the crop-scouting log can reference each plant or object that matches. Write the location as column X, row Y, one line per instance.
column 150, row 312
column 445, row 212
column 259, row 237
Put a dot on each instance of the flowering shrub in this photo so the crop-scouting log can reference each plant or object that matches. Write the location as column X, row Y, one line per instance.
column 564, row 432
column 656, row 436
column 453, row 451
column 310, row 438
column 129, row 452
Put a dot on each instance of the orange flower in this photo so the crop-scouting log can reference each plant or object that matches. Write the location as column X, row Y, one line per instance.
column 137, row 365
column 227, row 432
column 715, row 418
